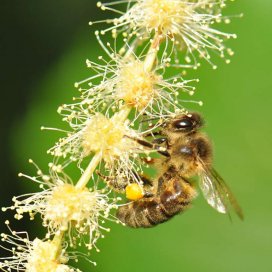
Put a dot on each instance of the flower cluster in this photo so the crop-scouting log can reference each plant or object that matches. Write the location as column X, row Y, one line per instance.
column 130, row 93
column 65, row 207
column 124, row 84
column 186, row 25
column 32, row 256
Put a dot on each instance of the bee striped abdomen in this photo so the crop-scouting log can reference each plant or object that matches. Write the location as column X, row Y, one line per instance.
column 148, row 212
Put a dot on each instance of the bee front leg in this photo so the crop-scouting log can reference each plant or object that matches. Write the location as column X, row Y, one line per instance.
column 149, row 134
column 161, row 150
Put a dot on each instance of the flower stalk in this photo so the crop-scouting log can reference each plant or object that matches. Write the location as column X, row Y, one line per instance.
column 87, row 174
column 57, row 244
column 152, row 53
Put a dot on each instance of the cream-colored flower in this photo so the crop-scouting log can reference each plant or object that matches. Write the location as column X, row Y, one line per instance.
column 125, row 81
column 32, row 256
column 188, row 24
column 110, row 136
column 64, row 207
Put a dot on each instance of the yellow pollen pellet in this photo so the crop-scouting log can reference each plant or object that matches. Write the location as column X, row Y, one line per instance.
column 134, row 191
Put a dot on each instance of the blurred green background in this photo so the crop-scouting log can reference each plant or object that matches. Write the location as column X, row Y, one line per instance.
column 44, row 45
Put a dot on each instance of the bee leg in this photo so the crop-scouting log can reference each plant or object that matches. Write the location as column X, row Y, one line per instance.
column 151, row 161
column 148, row 194
column 160, row 141
column 146, row 181
column 161, row 150
column 160, row 183
column 156, row 133
column 120, row 186
column 147, row 185
column 164, row 178
column 112, row 182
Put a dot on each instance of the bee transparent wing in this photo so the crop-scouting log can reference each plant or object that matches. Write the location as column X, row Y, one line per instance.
column 211, row 193
column 227, row 194
column 217, row 193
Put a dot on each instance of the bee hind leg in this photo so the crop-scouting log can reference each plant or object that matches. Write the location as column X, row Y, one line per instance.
column 120, row 185
column 112, row 182
column 146, row 181
column 148, row 185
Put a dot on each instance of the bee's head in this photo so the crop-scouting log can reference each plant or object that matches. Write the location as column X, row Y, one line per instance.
column 186, row 123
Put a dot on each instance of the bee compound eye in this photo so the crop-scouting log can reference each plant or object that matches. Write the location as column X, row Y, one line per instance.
column 183, row 124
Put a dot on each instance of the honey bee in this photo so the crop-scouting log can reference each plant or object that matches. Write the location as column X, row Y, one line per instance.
column 186, row 152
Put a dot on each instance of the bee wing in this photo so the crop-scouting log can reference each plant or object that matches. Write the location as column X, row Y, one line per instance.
column 211, row 193
column 217, row 192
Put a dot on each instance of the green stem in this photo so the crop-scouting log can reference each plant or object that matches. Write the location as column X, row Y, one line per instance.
column 84, row 179
column 56, row 242
column 152, row 53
